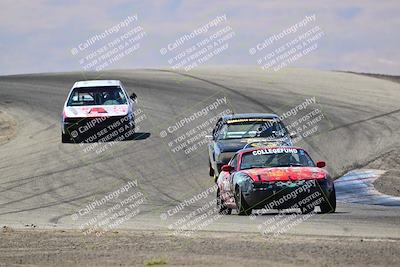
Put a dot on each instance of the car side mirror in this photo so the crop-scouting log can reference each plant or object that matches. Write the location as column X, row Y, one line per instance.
column 133, row 96
column 321, row 164
column 293, row 135
column 227, row 168
column 209, row 137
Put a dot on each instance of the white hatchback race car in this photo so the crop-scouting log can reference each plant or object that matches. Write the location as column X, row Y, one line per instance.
column 98, row 111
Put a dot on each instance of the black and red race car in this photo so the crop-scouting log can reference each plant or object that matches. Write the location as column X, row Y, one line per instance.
column 274, row 178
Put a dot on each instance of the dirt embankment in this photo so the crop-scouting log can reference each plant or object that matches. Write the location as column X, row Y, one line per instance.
column 8, row 127
column 389, row 182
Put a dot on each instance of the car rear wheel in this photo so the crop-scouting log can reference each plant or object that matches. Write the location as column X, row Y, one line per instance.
column 221, row 206
column 131, row 131
column 241, row 205
column 210, row 170
column 329, row 205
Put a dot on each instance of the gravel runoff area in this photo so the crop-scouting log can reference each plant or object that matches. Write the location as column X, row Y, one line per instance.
column 69, row 248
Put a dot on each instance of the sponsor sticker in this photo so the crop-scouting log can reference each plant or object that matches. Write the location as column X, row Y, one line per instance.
column 274, row 151
column 248, row 120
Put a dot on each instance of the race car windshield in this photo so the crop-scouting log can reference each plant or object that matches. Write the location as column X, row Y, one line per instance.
column 277, row 157
column 251, row 129
column 90, row 96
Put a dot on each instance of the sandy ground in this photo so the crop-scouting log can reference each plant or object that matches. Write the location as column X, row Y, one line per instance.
column 389, row 182
column 8, row 127
column 67, row 248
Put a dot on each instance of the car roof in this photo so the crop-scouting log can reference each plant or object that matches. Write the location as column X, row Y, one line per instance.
column 97, row 83
column 250, row 116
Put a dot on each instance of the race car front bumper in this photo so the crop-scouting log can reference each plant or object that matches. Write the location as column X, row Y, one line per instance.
column 290, row 194
column 96, row 129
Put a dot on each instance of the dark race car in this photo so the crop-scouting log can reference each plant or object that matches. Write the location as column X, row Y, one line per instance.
column 236, row 131
column 274, row 178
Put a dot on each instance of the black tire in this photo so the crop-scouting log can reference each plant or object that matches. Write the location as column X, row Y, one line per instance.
column 241, row 205
column 132, row 132
column 211, row 170
column 221, row 206
column 329, row 205
column 132, row 126
column 65, row 138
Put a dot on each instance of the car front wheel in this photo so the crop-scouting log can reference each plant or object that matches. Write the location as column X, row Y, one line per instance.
column 210, row 169
column 221, row 206
column 329, row 205
column 241, row 205
column 65, row 138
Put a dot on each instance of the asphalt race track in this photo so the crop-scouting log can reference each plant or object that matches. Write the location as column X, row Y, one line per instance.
column 45, row 183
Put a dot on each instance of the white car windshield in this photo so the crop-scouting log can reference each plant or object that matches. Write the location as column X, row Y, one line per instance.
column 90, row 96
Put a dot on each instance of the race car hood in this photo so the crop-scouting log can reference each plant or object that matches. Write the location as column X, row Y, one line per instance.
column 285, row 174
column 96, row 111
column 233, row 145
